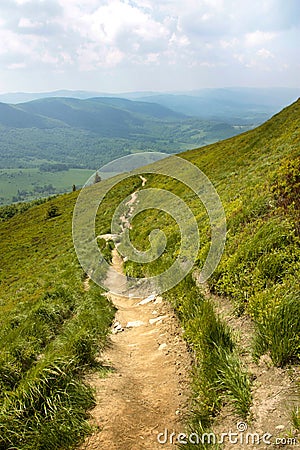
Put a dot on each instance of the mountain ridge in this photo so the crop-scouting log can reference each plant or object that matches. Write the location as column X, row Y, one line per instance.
column 41, row 112
column 234, row 104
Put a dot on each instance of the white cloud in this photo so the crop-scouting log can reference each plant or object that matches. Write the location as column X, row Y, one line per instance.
column 91, row 56
column 230, row 43
column 124, row 35
column 109, row 21
column 240, row 57
column 13, row 45
column 258, row 38
column 22, row 2
column 28, row 23
column 179, row 40
column 16, row 66
column 264, row 53
column 152, row 58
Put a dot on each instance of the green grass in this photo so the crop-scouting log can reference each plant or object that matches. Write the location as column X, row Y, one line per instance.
column 51, row 329
column 257, row 177
column 28, row 184
column 50, row 398
column 279, row 332
column 218, row 376
column 296, row 418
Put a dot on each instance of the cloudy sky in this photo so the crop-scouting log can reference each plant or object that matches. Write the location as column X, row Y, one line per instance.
column 134, row 45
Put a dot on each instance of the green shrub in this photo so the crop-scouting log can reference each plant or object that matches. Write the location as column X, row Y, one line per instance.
column 286, row 183
column 52, row 211
column 44, row 393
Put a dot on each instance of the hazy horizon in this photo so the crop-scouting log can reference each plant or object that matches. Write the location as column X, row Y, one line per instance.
column 133, row 91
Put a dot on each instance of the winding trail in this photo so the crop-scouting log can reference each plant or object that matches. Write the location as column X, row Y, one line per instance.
column 147, row 389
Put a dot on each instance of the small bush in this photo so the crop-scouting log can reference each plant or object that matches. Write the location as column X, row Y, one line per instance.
column 286, row 183
column 52, row 211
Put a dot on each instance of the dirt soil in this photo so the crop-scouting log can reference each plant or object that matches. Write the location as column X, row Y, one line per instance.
column 275, row 392
column 147, row 389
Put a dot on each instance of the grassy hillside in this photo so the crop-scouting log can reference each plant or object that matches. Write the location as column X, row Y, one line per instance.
column 257, row 177
column 51, row 328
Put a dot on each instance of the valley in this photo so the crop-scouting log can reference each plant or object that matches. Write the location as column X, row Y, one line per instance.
column 84, row 131
column 85, row 135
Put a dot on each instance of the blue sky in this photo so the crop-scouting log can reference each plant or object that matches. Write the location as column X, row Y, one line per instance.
column 171, row 45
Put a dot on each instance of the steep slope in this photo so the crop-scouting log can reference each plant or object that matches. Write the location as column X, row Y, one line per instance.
column 51, row 330
column 257, row 177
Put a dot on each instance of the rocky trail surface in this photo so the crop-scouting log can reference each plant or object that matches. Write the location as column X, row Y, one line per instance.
column 146, row 389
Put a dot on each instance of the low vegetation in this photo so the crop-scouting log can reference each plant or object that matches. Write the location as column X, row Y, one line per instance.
column 257, row 177
column 52, row 329
column 218, row 373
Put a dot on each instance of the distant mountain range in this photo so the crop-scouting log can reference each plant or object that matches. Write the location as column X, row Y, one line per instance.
column 45, row 135
column 86, row 133
column 108, row 117
column 235, row 105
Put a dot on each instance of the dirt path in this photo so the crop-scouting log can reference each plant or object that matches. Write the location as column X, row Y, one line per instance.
column 147, row 389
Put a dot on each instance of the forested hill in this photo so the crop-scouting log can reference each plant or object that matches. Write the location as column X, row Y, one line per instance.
column 109, row 117
column 88, row 133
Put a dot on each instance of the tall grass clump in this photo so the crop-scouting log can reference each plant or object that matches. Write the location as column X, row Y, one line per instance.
column 218, row 375
column 29, row 329
column 221, row 377
column 279, row 331
column 296, row 418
